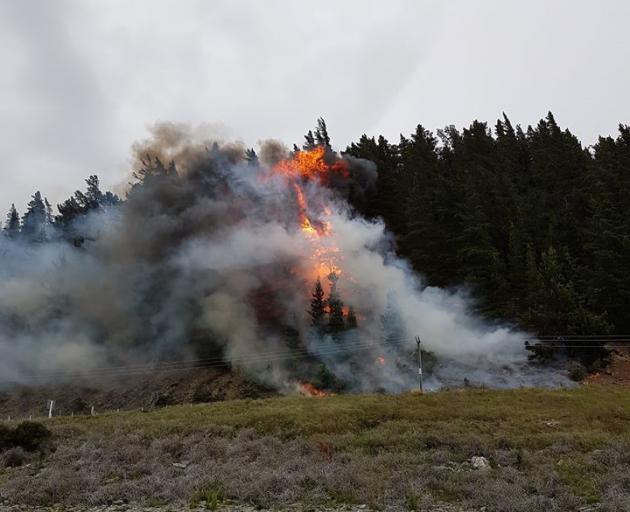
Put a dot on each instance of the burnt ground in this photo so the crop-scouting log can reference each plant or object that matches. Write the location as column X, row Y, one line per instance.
column 144, row 391
column 617, row 372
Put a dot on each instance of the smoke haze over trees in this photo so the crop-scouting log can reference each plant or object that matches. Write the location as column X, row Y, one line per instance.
column 203, row 257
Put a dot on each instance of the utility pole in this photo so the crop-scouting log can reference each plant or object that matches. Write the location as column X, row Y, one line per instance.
column 418, row 342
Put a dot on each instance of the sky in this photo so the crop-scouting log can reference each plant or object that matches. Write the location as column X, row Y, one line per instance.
column 81, row 80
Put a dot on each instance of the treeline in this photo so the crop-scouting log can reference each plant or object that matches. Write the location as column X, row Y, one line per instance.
column 536, row 225
column 533, row 223
column 39, row 224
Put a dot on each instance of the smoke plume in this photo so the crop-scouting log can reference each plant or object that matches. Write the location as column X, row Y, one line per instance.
column 215, row 256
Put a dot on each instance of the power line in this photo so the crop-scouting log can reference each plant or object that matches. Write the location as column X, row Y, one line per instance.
column 577, row 346
column 580, row 336
column 328, row 350
column 221, row 361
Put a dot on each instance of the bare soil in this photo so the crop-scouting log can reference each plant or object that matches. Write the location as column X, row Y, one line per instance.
column 617, row 372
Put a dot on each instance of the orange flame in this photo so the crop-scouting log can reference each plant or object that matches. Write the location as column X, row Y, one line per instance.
column 306, row 388
column 302, row 167
column 311, row 164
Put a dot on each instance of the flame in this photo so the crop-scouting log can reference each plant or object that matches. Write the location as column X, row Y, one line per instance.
column 311, row 164
column 302, row 167
column 305, row 224
column 307, row 389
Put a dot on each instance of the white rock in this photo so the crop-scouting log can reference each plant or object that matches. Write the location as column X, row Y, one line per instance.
column 480, row 462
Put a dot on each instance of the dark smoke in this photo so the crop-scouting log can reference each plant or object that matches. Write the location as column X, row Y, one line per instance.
column 205, row 258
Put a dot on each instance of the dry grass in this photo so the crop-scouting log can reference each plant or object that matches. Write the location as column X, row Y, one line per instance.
column 549, row 450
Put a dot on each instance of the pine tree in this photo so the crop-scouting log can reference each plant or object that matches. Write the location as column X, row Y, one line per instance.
column 486, row 209
column 385, row 202
column 309, row 141
column 317, row 311
column 479, row 263
column 351, row 320
column 336, row 322
column 321, row 134
column 49, row 214
column 93, row 194
column 34, row 220
column 251, row 157
column 426, row 211
column 12, row 226
column 81, row 203
column 153, row 167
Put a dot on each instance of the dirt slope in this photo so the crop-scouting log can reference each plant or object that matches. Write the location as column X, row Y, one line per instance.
column 147, row 391
column 617, row 372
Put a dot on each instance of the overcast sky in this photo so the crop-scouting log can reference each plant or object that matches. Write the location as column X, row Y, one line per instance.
column 81, row 80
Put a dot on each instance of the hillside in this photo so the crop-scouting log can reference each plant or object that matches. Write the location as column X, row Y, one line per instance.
column 144, row 390
column 542, row 450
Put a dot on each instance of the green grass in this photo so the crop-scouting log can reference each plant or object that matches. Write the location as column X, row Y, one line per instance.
column 549, row 450
column 208, row 497
column 590, row 413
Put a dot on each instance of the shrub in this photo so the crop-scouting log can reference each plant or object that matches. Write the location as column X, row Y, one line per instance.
column 14, row 457
column 577, row 372
column 412, row 503
column 6, row 437
column 28, row 435
column 210, row 497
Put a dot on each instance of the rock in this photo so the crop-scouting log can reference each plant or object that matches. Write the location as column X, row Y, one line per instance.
column 480, row 463
column 180, row 465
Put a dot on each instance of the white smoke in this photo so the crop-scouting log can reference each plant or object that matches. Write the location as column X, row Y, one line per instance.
column 213, row 261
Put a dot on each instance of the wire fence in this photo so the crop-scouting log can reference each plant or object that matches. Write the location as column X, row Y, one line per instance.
column 329, row 349
column 322, row 351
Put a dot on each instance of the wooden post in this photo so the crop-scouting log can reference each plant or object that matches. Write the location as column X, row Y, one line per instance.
column 420, row 383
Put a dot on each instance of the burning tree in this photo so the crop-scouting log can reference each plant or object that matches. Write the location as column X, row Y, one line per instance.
column 216, row 257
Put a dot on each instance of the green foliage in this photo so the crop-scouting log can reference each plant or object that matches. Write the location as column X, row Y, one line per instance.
column 327, row 315
column 318, row 305
column 336, row 323
column 209, row 497
column 12, row 226
column 28, row 435
column 412, row 503
column 34, row 220
column 534, row 224
column 81, row 203
column 325, row 379
column 351, row 320
column 6, row 437
column 577, row 372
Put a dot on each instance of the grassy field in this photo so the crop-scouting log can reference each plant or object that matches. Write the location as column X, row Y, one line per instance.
column 547, row 450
